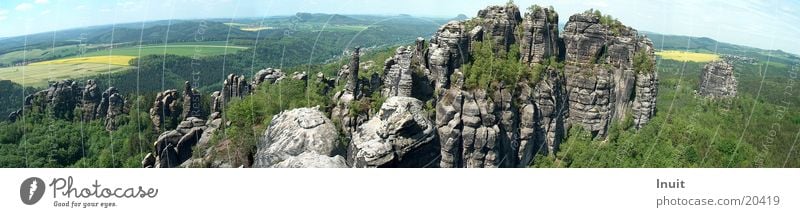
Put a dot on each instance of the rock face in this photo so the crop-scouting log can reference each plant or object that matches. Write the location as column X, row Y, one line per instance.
column 175, row 146
column 468, row 128
column 397, row 72
column 345, row 99
column 63, row 97
column 718, row 80
column 508, row 125
column 191, row 102
column 499, row 24
column 399, row 135
column 91, row 97
column 601, row 78
column 301, row 137
column 268, row 75
column 166, row 109
column 114, row 105
column 449, row 48
column 539, row 36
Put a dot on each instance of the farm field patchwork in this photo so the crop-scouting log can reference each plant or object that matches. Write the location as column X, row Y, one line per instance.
column 39, row 75
column 687, row 56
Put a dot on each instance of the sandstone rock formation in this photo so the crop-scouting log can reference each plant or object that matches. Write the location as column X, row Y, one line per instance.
column 191, row 102
column 539, row 35
column 717, row 80
column 301, row 137
column 166, row 110
column 399, row 135
column 397, row 74
column 114, row 105
column 344, row 100
column 175, row 146
column 509, row 124
column 91, row 97
column 63, row 97
column 499, row 25
column 268, row 75
column 448, row 49
column 601, row 77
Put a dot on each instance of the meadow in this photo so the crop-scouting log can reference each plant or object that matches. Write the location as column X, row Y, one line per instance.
column 39, row 75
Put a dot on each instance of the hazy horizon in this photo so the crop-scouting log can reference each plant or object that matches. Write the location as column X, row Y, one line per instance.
column 769, row 25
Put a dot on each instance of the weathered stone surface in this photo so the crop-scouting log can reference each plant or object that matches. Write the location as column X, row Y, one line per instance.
column 397, row 74
column 717, row 80
column 166, row 109
column 499, row 24
column 234, row 87
column 299, row 137
column 399, row 135
column 116, row 107
column 539, row 39
column 601, row 79
column 352, row 92
column 191, row 102
column 91, row 97
column 149, row 161
column 268, row 75
column 180, row 142
column 448, row 49
column 467, row 123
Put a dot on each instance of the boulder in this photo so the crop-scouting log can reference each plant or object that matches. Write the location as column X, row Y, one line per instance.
column 299, row 137
column 399, row 135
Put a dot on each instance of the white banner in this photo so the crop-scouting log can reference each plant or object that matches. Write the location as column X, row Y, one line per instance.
column 400, row 192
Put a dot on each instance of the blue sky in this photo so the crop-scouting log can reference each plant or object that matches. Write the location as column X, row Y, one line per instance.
column 771, row 24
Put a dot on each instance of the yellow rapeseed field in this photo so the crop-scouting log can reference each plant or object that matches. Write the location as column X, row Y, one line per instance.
column 113, row 60
column 687, row 56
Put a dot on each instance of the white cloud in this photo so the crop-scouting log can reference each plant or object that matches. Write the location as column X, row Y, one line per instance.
column 24, row 7
column 45, row 12
column 40, row 1
column 3, row 14
column 80, row 7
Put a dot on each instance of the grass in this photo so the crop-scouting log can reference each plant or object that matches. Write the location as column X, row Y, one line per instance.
column 182, row 49
column 687, row 56
column 112, row 60
column 38, row 75
column 64, row 51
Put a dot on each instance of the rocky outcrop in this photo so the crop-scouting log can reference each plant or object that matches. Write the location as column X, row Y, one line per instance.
column 717, row 80
column 539, row 39
column 345, row 99
column 448, row 49
column 601, row 77
column 62, row 98
column 399, row 135
column 268, row 75
column 397, row 74
column 174, row 147
column 166, row 110
column 114, row 105
column 90, row 100
column 191, row 102
column 467, row 127
column 234, row 87
column 500, row 24
column 301, row 137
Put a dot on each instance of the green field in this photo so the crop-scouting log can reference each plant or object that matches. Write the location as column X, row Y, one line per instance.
column 63, row 51
column 39, row 75
column 181, row 49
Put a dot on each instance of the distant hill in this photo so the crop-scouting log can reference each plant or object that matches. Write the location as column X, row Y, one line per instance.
column 708, row 45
